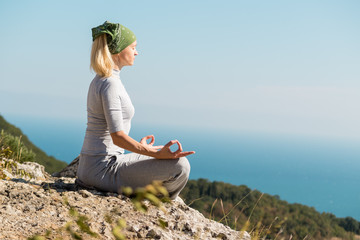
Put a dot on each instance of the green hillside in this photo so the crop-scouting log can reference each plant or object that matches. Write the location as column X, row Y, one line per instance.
column 51, row 164
column 268, row 215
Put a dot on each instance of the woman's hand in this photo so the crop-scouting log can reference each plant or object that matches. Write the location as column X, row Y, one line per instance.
column 143, row 141
column 122, row 140
column 166, row 153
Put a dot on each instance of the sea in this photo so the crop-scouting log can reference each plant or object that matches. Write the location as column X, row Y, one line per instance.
column 323, row 173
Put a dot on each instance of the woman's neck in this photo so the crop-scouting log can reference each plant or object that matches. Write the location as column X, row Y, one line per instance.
column 117, row 67
column 117, row 64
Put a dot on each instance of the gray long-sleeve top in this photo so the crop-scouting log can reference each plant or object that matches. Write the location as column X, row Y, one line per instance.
column 109, row 110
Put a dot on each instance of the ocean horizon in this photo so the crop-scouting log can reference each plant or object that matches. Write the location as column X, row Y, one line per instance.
column 318, row 172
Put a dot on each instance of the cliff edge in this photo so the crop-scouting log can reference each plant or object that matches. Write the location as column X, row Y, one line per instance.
column 56, row 207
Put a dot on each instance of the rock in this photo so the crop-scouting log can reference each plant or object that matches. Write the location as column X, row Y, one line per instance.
column 222, row 236
column 36, row 171
column 25, row 171
column 133, row 228
column 153, row 234
column 70, row 170
column 85, row 193
column 187, row 229
column 28, row 208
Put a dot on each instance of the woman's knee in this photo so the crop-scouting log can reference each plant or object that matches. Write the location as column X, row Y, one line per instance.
column 184, row 165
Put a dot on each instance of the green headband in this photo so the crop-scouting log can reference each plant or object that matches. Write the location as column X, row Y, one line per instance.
column 118, row 37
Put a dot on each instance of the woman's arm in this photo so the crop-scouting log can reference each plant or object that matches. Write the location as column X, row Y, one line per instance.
column 122, row 140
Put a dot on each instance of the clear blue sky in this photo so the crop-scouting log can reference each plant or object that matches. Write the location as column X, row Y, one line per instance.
column 288, row 67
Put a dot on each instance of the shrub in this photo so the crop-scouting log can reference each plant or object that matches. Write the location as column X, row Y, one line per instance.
column 12, row 151
column 11, row 147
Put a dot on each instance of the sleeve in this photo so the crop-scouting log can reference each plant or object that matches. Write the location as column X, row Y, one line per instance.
column 110, row 96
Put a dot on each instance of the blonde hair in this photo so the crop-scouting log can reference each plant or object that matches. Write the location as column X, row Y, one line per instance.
column 101, row 61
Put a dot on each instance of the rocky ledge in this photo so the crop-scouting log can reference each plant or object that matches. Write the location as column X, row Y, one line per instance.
column 55, row 207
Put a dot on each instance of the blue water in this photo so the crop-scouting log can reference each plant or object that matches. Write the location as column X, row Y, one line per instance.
column 322, row 173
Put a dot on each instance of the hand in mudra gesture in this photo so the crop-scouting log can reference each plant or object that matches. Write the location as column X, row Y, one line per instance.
column 150, row 145
column 164, row 152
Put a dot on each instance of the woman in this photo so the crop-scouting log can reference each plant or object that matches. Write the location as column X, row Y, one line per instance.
column 103, row 164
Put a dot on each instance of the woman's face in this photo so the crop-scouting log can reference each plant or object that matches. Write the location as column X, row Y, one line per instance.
column 127, row 56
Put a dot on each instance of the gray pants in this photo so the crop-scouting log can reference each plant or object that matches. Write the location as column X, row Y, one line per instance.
column 111, row 173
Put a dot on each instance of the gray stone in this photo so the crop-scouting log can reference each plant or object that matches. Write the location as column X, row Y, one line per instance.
column 85, row 193
column 25, row 171
column 153, row 234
